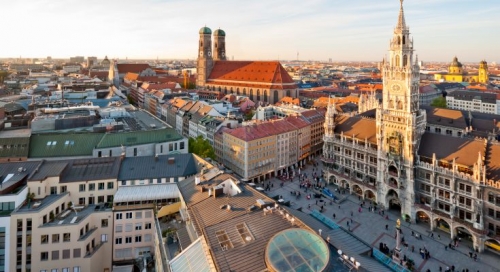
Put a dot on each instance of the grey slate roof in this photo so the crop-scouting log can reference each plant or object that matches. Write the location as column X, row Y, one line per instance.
column 15, row 171
column 151, row 167
column 91, row 169
column 48, row 169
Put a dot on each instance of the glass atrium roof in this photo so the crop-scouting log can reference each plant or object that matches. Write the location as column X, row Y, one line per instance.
column 297, row 250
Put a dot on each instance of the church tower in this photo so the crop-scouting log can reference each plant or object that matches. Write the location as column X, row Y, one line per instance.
column 331, row 113
column 205, row 62
column 400, row 123
column 219, row 44
column 483, row 72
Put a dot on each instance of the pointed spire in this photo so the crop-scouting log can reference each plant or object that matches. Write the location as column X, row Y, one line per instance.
column 401, row 19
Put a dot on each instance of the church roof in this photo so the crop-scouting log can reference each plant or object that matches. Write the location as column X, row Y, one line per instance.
column 256, row 74
column 124, row 68
column 357, row 127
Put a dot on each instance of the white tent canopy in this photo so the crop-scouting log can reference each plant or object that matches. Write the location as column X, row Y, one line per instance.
column 146, row 192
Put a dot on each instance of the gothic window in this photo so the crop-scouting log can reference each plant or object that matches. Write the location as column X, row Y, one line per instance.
column 244, row 91
column 251, row 94
column 400, row 105
column 215, row 45
column 276, row 96
column 404, row 39
column 201, row 43
column 391, row 104
column 288, row 93
column 237, row 91
column 220, row 89
column 399, row 40
column 397, row 61
column 405, row 59
column 225, row 90
column 232, row 92
column 265, row 96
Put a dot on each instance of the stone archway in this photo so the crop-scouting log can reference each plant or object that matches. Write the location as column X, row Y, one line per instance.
column 392, row 200
column 332, row 180
column 423, row 218
column 357, row 190
column 369, row 194
column 442, row 225
column 464, row 234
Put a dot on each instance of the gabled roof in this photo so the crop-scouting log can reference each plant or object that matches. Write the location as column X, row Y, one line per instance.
column 358, row 127
column 124, row 68
column 131, row 76
column 48, row 169
column 266, row 129
column 138, row 138
column 258, row 74
column 465, row 151
column 149, row 167
column 445, row 117
column 13, row 172
column 63, row 145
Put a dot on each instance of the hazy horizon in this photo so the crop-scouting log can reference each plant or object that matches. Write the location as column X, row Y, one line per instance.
column 318, row 30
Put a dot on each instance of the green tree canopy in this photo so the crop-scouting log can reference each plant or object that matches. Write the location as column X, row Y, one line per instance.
column 201, row 147
column 439, row 102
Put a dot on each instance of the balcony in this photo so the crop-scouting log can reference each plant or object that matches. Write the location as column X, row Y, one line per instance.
column 87, row 234
column 93, row 250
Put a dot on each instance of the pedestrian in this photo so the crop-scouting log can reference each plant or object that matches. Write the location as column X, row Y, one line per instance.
column 412, row 233
column 445, row 247
column 412, row 248
column 334, row 216
column 475, row 257
column 348, row 223
column 386, row 227
column 439, row 237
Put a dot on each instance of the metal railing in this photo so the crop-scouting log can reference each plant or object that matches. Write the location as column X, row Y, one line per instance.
column 387, row 261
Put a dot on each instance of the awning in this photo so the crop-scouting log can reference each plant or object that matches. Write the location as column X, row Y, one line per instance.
column 146, row 192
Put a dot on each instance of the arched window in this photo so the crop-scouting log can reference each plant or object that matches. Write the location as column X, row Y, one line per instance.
column 404, row 39
column 258, row 95
column 405, row 60
column 288, row 93
column 225, row 90
column 391, row 104
column 265, row 95
column 244, row 91
column 201, row 43
column 216, row 45
column 400, row 105
column 251, row 94
column 232, row 90
column 396, row 60
column 276, row 97
column 237, row 91
column 399, row 40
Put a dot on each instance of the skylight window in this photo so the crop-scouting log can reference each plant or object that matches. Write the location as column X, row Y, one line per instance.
column 223, row 239
column 244, row 233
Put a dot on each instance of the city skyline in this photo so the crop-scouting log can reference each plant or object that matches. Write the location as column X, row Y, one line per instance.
column 313, row 30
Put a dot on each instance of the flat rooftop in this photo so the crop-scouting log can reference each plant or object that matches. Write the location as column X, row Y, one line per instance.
column 72, row 217
column 16, row 133
column 39, row 204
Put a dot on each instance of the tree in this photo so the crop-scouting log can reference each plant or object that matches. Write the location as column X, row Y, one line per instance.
column 439, row 102
column 249, row 115
column 201, row 147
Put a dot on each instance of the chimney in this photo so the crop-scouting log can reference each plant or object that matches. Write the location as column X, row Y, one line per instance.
column 171, row 160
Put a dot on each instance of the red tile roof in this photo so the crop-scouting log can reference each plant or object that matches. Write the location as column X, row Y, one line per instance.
column 99, row 74
column 132, row 67
column 258, row 74
column 152, row 86
column 131, row 76
column 262, row 130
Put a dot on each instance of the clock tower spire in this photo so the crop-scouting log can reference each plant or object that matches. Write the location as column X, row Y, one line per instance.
column 400, row 122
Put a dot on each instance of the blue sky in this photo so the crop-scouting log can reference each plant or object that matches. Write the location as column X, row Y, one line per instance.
column 357, row 30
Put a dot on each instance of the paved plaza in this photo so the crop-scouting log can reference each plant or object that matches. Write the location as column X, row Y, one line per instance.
column 371, row 228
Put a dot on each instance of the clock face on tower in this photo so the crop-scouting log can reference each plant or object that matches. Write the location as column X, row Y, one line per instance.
column 201, row 53
column 223, row 54
column 396, row 87
column 209, row 53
